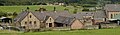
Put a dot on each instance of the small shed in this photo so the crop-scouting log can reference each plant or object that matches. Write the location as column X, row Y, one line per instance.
column 6, row 20
column 68, row 22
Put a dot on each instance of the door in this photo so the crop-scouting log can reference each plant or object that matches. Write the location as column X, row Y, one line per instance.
column 50, row 24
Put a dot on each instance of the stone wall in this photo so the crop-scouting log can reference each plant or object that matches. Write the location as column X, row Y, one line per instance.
column 92, row 27
column 112, row 25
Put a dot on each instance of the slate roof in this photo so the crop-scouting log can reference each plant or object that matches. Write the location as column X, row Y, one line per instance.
column 54, row 15
column 39, row 15
column 21, row 16
column 43, row 15
column 97, row 15
column 65, row 20
column 100, row 14
column 112, row 7
column 46, row 18
column 61, row 16
column 51, row 14
column 81, row 14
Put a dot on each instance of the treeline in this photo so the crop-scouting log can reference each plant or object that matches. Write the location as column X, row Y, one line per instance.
column 6, row 14
column 67, row 2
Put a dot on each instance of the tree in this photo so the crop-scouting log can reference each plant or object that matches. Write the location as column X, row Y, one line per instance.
column 75, row 11
column 54, row 8
column 14, row 14
column 28, row 8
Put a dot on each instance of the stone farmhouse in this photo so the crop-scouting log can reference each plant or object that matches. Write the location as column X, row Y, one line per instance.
column 112, row 10
column 38, row 20
column 57, row 19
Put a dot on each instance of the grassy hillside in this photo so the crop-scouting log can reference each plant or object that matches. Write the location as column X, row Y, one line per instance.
column 74, row 32
column 35, row 7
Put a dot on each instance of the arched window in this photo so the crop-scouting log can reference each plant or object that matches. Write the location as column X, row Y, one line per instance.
column 30, row 16
column 50, row 19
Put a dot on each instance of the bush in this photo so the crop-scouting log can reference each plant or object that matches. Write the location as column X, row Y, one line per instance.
column 66, row 9
column 75, row 11
column 15, row 14
column 3, row 14
column 42, row 9
column 85, row 10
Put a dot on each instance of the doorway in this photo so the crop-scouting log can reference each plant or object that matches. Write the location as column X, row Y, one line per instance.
column 50, row 24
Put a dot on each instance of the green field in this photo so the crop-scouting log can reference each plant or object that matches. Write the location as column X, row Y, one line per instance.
column 36, row 7
column 73, row 32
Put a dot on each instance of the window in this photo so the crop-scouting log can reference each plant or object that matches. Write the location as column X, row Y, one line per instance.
column 30, row 22
column 34, row 21
column 50, row 24
column 25, row 23
column 35, row 24
column 66, row 24
column 50, row 19
column 30, row 16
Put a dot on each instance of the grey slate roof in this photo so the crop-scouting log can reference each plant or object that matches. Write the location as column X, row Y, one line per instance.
column 64, row 20
column 57, row 13
column 46, row 18
column 51, row 14
column 62, row 16
column 81, row 14
column 42, row 15
column 21, row 16
column 86, row 13
column 100, row 14
column 112, row 7
column 96, row 15
column 39, row 15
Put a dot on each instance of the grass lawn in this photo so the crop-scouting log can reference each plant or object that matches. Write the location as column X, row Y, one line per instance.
column 35, row 7
column 74, row 32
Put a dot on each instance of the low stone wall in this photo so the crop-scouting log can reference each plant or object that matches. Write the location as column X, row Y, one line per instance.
column 61, row 28
column 109, row 25
column 92, row 27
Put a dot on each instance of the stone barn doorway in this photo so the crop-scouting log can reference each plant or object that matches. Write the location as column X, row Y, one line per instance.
column 50, row 24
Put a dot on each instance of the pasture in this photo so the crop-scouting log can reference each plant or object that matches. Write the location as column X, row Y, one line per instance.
column 36, row 7
column 73, row 32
